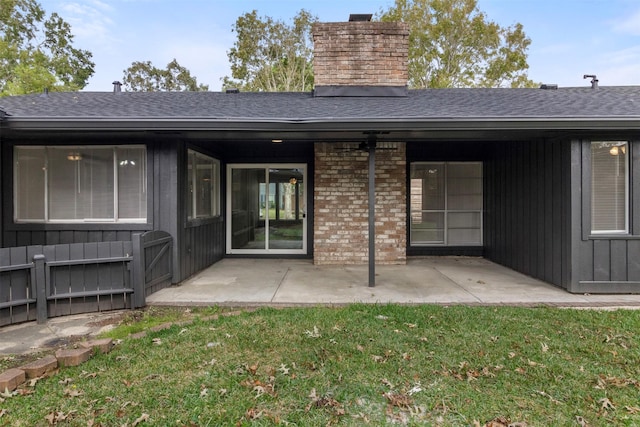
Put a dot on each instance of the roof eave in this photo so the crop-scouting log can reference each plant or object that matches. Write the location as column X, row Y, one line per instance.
column 322, row 124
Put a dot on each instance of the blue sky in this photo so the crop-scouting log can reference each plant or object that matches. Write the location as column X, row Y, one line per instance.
column 570, row 38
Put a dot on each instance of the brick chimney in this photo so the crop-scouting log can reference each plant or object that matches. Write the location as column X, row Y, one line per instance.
column 360, row 58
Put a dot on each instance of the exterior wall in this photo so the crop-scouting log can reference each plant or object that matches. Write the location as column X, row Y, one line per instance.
column 360, row 53
column 341, row 205
column 604, row 263
column 200, row 243
column 527, row 221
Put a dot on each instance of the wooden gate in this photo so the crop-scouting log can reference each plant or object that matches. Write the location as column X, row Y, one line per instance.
column 153, row 268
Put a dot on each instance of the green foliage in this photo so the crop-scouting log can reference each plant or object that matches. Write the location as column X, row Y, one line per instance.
column 36, row 51
column 270, row 55
column 453, row 44
column 356, row 365
column 144, row 77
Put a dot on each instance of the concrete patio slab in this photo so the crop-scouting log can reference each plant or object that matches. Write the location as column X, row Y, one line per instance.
column 437, row 280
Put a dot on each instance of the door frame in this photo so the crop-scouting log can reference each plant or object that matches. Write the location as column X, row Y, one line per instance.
column 267, row 166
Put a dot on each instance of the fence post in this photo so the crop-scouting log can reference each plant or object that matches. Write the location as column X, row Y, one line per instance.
column 139, row 299
column 41, row 288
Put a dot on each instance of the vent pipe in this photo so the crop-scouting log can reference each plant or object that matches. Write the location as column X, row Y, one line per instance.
column 594, row 80
column 117, row 87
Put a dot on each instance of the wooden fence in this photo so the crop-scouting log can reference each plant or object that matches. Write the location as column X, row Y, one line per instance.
column 39, row 282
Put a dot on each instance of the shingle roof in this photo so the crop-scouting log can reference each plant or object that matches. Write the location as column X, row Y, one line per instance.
column 429, row 105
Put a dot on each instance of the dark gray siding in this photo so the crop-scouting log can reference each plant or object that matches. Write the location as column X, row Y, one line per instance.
column 200, row 243
column 604, row 263
column 527, row 208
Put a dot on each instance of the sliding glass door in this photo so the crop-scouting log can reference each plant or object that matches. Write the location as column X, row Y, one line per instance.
column 266, row 209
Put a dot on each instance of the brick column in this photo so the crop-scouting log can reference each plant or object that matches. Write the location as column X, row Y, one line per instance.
column 340, row 204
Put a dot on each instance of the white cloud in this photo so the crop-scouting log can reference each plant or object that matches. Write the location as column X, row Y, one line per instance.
column 90, row 21
column 628, row 25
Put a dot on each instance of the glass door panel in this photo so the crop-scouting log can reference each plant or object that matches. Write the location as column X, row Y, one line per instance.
column 248, row 207
column 267, row 209
column 286, row 218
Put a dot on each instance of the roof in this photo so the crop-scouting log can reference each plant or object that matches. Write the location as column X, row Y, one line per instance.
column 570, row 108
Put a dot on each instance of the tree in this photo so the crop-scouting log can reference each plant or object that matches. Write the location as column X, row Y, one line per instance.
column 36, row 51
column 453, row 44
column 270, row 55
column 144, row 77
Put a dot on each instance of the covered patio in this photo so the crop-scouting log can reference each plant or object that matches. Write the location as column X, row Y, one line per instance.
column 423, row 280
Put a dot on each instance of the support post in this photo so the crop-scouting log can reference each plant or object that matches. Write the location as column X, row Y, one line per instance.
column 139, row 297
column 372, row 211
column 40, row 282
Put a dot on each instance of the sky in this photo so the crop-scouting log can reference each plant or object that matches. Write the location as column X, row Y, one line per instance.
column 570, row 38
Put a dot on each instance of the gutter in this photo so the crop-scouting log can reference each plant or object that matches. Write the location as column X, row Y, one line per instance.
column 332, row 124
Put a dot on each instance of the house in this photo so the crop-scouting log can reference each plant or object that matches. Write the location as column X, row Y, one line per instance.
column 545, row 181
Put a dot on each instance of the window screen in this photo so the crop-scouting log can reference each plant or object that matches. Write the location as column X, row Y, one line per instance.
column 446, row 203
column 609, row 186
column 80, row 184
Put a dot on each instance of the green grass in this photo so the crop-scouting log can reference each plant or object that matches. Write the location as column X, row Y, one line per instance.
column 362, row 364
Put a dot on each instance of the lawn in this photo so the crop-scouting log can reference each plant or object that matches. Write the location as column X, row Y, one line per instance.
column 355, row 365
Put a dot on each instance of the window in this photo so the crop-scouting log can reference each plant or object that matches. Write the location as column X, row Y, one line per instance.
column 80, row 184
column 609, row 186
column 203, row 180
column 446, row 204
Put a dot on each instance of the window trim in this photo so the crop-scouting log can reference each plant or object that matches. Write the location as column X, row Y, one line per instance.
column 627, row 191
column 88, row 223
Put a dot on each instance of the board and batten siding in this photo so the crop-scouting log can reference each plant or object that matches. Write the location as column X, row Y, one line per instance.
column 527, row 219
column 604, row 263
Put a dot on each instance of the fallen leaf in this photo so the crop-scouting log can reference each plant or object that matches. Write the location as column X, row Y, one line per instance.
column 551, row 398
column 512, row 355
column 632, row 409
column 382, row 317
column 72, row 392
column 498, row 422
column 3, row 412
column 398, row 400
column 386, row 382
column 313, row 334
column 204, row 392
column 142, row 418
column 182, row 331
column 410, row 325
column 415, row 389
column 283, row 369
column 157, row 341
column 253, row 414
column 545, row 347
column 581, row 421
column 378, row 359
column 6, row 393
column 65, row 381
column 606, row 404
